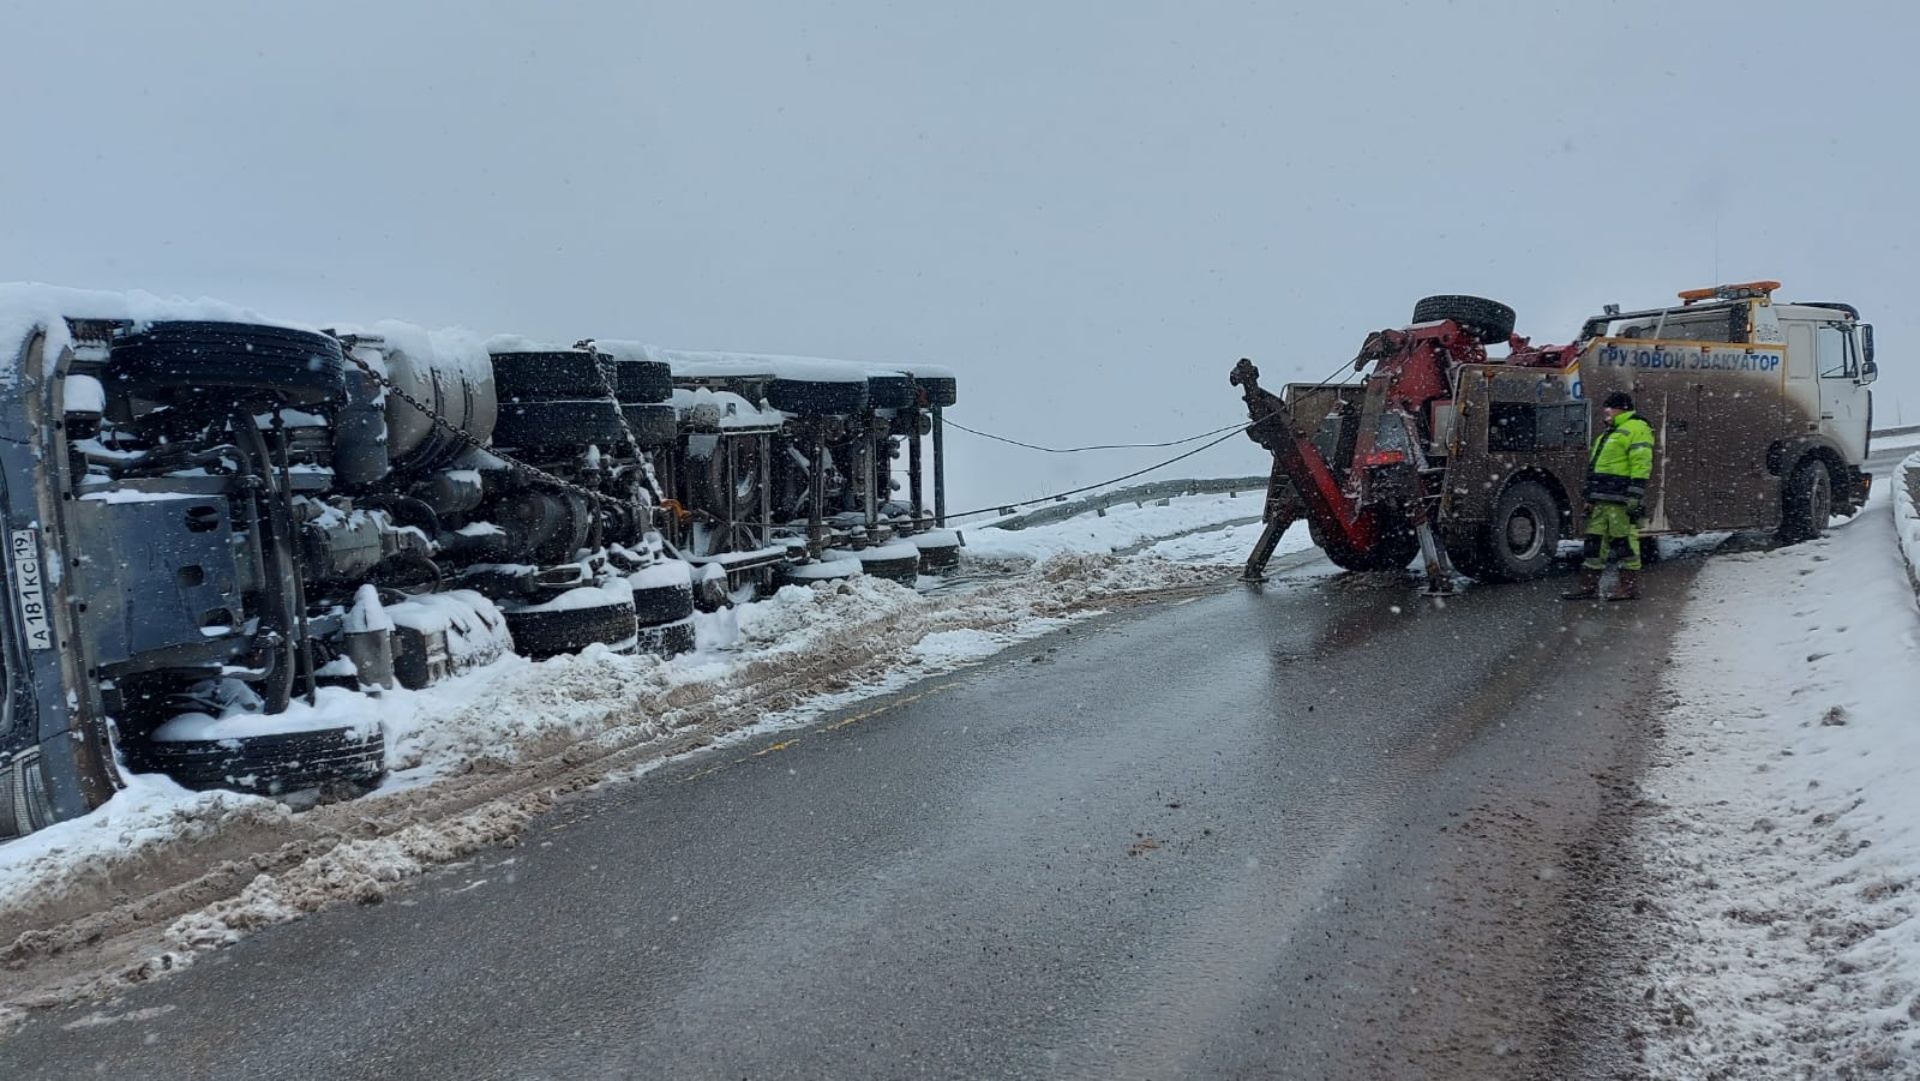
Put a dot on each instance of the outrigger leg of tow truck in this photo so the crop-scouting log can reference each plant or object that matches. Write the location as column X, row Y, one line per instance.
column 1761, row 411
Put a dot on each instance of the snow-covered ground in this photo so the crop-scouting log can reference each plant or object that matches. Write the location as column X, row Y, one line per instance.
column 1780, row 837
column 1781, row 825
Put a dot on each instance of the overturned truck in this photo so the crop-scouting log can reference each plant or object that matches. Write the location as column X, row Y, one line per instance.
column 222, row 535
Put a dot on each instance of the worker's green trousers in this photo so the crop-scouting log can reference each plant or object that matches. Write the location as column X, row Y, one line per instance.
column 1610, row 533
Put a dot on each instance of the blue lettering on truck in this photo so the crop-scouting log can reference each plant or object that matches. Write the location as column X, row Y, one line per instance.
column 1656, row 358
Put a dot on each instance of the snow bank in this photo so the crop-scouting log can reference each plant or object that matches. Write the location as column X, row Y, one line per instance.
column 1906, row 512
column 1783, row 831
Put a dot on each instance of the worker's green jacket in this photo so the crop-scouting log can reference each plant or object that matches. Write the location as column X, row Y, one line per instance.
column 1622, row 461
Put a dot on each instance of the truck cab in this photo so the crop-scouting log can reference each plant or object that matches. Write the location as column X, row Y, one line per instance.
column 1760, row 409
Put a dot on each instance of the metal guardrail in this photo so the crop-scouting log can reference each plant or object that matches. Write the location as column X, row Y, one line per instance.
column 1138, row 493
column 1910, row 429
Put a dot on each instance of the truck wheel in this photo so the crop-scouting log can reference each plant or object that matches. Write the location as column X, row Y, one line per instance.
column 1466, row 557
column 668, row 641
column 893, row 390
column 543, row 633
column 940, row 390
column 647, row 382
column 268, row 764
column 816, row 397
column 1807, row 502
column 236, row 362
column 1519, row 542
column 1489, row 320
column 653, row 425
column 559, row 423
column 654, row 605
column 1395, row 550
column 536, row 377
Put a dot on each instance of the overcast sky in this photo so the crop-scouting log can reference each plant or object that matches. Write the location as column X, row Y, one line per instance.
column 1088, row 208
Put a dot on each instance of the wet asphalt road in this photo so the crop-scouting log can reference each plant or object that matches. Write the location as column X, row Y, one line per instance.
column 1292, row 832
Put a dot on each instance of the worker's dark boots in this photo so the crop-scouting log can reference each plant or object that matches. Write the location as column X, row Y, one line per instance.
column 1588, row 589
column 1628, row 589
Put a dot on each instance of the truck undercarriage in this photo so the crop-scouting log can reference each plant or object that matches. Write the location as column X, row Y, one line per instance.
column 222, row 533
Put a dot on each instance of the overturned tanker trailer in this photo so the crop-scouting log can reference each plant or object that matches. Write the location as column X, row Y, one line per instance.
column 789, row 469
column 224, row 533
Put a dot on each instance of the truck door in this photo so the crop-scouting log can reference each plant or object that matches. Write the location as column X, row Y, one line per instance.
column 1844, row 404
column 1709, row 470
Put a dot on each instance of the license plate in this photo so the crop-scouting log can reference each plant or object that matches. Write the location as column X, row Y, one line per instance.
column 29, row 586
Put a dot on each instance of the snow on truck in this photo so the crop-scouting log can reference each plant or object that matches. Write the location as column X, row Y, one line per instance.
column 1760, row 411
column 222, row 533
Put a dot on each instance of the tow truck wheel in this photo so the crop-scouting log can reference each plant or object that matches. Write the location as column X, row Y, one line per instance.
column 1489, row 320
column 1519, row 542
column 1807, row 502
column 1465, row 555
column 1395, row 550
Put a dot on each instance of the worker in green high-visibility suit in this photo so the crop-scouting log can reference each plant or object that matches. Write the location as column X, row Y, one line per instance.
column 1616, row 494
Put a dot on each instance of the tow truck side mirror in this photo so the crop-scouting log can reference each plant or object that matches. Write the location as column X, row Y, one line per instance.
column 1869, row 371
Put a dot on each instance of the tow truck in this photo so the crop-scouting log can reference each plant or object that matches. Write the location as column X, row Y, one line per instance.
column 1476, row 462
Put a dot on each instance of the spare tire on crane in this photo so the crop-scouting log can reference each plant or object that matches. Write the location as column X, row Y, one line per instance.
column 1488, row 320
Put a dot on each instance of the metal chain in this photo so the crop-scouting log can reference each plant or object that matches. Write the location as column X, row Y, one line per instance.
column 604, row 367
column 466, row 438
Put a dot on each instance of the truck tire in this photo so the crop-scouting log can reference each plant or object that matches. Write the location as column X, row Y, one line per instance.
column 544, row 633
column 646, row 382
column 1806, row 501
column 1488, row 320
column 816, row 397
column 559, row 423
column 669, row 640
column 892, row 390
column 940, row 390
column 1519, row 542
column 1396, row 549
column 230, row 362
column 268, row 764
column 654, row 605
column 540, row 377
column 652, row 424
column 1466, row 556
